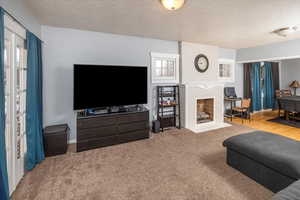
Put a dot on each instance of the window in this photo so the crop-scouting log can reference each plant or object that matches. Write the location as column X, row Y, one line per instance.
column 226, row 70
column 15, row 61
column 165, row 68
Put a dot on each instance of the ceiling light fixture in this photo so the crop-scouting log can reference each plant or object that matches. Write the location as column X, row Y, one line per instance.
column 172, row 4
column 283, row 32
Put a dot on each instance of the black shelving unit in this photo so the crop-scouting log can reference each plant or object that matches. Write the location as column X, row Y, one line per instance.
column 168, row 106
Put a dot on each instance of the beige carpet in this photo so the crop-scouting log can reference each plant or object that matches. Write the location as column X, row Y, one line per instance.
column 175, row 165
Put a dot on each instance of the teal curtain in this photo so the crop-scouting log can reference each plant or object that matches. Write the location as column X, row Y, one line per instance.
column 256, row 88
column 3, row 166
column 3, row 194
column 34, row 103
column 268, row 86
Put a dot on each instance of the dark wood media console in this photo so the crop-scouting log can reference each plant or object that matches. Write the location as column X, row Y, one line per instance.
column 108, row 129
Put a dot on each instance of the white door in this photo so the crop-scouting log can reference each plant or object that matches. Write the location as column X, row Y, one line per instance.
column 15, row 97
column 8, row 51
column 20, row 107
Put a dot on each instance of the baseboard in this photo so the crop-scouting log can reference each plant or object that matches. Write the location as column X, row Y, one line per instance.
column 73, row 141
column 210, row 126
column 262, row 110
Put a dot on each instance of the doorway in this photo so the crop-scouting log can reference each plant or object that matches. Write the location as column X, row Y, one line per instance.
column 15, row 61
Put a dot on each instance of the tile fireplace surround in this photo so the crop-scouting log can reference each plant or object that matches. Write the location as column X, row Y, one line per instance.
column 212, row 94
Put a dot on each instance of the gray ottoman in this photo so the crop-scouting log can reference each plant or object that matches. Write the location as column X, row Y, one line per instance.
column 269, row 159
column 290, row 193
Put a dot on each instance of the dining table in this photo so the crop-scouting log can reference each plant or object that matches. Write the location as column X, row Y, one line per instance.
column 290, row 105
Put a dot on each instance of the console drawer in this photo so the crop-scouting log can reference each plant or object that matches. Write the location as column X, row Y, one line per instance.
column 110, row 129
column 96, row 122
column 132, row 136
column 136, row 117
column 124, row 128
column 96, row 143
column 94, row 133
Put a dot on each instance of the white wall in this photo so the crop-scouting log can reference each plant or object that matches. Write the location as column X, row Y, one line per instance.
column 290, row 71
column 188, row 72
column 65, row 47
column 239, row 76
column 238, row 80
column 275, row 51
column 227, row 53
column 238, row 83
column 20, row 10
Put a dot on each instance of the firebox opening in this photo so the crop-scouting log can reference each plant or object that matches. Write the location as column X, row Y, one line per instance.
column 205, row 110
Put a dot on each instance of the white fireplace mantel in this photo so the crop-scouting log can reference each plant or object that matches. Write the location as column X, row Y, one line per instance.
column 202, row 90
column 204, row 85
column 197, row 85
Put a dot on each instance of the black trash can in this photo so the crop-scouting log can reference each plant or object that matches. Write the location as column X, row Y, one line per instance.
column 56, row 139
column 155, row 126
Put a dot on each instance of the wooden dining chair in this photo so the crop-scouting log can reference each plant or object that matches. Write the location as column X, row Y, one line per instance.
column 278, row 93
column 286, row 92
column 244, row 109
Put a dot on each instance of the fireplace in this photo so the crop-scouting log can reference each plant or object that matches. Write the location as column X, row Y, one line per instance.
column 202, row 106
column 202, row 94
column 205, row 110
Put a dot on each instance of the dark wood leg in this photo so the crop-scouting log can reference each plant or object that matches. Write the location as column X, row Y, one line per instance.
column 231, row 113
column 294, row 116
column 242, row 116
column 248, row 115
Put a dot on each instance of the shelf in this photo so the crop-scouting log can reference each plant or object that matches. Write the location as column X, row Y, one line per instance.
column 166, row 106
column 168, row 94
column 167, row 116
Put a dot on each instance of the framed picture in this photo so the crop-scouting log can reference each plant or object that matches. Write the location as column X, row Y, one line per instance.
column 164, row 68
column 226, row 70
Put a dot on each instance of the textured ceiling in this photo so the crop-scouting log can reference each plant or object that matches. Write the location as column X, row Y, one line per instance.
column 225, row 23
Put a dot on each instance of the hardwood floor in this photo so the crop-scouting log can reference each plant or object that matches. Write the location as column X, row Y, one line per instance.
column 259, row 121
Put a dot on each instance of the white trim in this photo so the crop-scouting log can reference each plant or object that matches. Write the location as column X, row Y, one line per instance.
column 203, row 85
column 15, row 156
column 262, row 110
column 275, row 59
column 231, row 62
column 164, row 55
column 210, row 126
column 14, row 27
column 164, row 80
column 72, row 141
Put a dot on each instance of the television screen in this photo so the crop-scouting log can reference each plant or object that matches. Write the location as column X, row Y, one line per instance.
column 103, row 86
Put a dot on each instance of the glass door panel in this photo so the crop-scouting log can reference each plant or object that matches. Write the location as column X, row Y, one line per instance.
column 20, row 114
column 8, row 72
column 15, row 106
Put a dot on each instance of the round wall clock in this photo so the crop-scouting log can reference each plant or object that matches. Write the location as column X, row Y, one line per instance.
column 201, row 63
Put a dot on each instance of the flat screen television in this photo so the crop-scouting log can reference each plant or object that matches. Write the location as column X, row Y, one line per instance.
column 98, row 86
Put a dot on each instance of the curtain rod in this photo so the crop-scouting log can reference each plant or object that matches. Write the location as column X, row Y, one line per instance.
column 17, row 21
